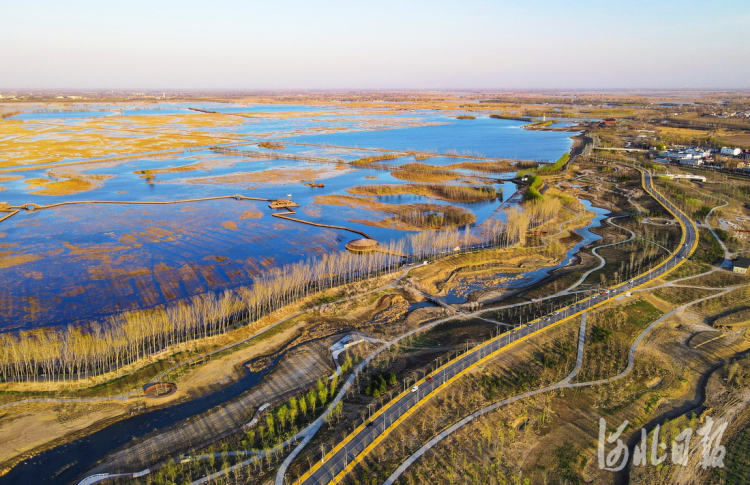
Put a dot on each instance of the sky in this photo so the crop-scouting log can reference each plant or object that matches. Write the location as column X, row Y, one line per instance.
column 383, row 44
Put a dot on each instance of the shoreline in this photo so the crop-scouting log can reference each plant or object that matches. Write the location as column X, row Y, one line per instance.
column 96, row 428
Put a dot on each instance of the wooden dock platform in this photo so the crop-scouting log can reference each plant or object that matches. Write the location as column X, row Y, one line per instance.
column 282, row 204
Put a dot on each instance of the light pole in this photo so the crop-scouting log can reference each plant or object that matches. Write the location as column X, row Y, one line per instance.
column 369, row 411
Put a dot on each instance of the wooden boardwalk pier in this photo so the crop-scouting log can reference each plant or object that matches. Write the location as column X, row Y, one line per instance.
column 274, row 204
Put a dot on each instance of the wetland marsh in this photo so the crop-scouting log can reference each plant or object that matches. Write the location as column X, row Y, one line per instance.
column 78, row 263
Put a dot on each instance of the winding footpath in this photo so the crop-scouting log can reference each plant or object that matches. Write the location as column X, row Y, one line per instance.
column 471, row 417
column 344, row 456
column 307, row 434
column 563, row 384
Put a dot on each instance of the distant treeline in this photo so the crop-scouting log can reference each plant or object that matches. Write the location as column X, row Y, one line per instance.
column 82, row 110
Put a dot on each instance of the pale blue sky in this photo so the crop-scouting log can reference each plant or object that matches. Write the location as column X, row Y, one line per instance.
column 290, row 44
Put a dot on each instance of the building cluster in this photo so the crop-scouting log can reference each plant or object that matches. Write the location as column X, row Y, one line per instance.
column 685, row 176
column 728, row 114
column 697, row 156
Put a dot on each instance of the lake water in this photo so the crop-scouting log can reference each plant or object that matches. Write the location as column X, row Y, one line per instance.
column 79, row 263
column 61, row 464
column 84, row 262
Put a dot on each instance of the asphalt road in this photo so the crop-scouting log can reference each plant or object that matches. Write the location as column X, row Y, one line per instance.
column 338, row 462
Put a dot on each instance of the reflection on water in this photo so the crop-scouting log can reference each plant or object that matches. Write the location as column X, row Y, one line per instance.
column 83, row 262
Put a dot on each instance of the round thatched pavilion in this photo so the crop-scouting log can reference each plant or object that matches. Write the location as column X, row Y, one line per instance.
column 363, row 245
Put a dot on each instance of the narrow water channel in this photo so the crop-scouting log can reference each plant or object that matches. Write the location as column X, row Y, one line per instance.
column 460, row 293
column 65, row 463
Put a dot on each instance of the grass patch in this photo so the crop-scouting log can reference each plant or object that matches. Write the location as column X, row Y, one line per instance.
column 738, row 317
column 547, row 169
column 680, row 296
column 376, row 158
column 718, row 279
column 709, row 250
column 640, row 313
column 609, row 335
column 686, row 269
column 738, row 460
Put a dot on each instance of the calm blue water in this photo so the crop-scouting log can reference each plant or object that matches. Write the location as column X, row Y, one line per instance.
column 77, row 263
column 81, row 263
column 73, row 112
column 483, row 136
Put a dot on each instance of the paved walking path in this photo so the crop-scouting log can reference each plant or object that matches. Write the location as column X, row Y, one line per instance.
column 563, row 384
column 308, row 433
column 311, row 431
column 355, row 446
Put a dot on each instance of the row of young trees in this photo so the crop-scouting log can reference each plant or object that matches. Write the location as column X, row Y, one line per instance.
column 93, row 349
column 77, row 352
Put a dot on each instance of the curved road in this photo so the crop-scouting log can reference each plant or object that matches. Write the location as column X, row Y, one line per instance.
column 565, row 383
column 355, row 446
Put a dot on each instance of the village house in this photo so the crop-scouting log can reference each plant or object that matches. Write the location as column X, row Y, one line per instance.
column 741, row 265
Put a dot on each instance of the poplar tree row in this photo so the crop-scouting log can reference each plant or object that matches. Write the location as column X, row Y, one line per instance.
column 76, row 352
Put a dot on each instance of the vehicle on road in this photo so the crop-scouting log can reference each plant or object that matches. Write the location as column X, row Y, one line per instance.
column 429, row 379
column 415, row 389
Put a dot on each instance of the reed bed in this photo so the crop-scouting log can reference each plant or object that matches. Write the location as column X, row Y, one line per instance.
column 454, row 193
column 272, row 145
column 84, row 351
